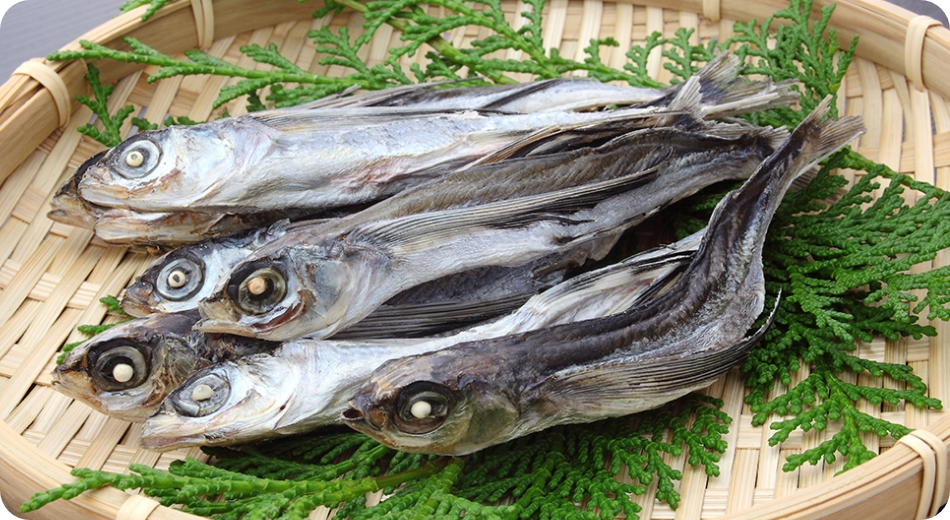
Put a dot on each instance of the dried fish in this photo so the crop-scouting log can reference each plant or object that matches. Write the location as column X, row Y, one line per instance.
column 322, row 279
column 306, row 383
column 470, row 396
column 315, row 159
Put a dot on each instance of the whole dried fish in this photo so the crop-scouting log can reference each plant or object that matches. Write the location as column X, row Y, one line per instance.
column 320, row 280
column 178, row 280
column 315, row 159
column 470, row 396
column 306, row 383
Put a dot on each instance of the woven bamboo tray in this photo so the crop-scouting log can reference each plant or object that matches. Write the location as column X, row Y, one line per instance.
column 52, row 276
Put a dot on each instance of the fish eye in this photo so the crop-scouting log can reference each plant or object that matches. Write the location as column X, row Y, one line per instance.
column 180, row 279
column 201, row 396
column 259, row 290
column 119, row 367
column 137, row 158
column 422, row 407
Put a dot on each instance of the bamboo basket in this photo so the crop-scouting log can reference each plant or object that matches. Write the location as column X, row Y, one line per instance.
column 52, row 275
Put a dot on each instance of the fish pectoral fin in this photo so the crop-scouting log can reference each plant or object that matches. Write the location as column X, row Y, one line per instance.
column 625, row 382
column 428, row 318
column 437, row 226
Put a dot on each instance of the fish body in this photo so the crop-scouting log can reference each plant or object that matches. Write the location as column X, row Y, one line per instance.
column 318, row 158
column 306, row 383
column 179, row 279
column 477, row 394
column 321, row 280
column 259, row 162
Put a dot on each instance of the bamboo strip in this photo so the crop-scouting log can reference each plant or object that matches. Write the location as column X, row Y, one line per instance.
column 554, row 20
column 23, row 283
column 11, row 331
column 742, row 486
column 21, row 380
column 873, row 104
column 654, row 24
column 56, row 440
column 18, row 182
column 589, row 29
column 93, row 425
column 38, row 229
column 40, row 400
column 692, row 489
column 100, row 449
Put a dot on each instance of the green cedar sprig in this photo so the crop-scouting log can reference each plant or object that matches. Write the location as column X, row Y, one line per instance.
column 154, row 5
column 110, row 135
column 542, row 476
column 112, row 306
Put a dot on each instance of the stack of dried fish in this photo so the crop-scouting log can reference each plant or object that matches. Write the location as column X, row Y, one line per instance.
column 421, row 211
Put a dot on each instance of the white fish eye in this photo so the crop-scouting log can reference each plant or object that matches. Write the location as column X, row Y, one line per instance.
column 421, row 408
column 137, row 158
column 179, row 279
column 260, row 291
column 200, row 396
column 120, row 367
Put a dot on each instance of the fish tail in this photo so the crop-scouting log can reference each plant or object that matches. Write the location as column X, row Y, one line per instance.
column 813, row 140
column 818, row 138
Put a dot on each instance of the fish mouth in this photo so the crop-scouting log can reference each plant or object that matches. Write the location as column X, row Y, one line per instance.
column 223, row 326
column 355, row 419
column 158, row 438
column 138, row 302
column 220, row 317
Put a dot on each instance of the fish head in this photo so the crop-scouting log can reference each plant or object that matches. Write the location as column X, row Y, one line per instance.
column 178, row 280
column 421, row 412
column 68, row 207
column 158, row 170
column 280, row 296
column 173, row 283
column 230, row 402
column 126, row 371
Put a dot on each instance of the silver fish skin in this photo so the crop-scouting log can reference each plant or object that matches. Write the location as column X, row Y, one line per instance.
column 306, row 383
column 323, row 280
column 471, row 396
column 126, row 371
column 298, row 158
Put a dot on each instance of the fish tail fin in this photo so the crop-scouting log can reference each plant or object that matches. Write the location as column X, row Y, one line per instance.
column 818, row 137
column 740, row 221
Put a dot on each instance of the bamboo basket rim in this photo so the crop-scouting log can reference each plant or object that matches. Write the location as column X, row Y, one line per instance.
column 44, row 94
